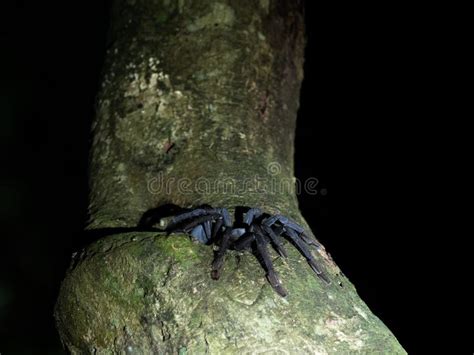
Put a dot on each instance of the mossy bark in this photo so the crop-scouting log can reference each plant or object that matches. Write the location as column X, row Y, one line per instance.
column 198, row 105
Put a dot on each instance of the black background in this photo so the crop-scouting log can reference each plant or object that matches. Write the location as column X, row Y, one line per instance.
column 357, row 134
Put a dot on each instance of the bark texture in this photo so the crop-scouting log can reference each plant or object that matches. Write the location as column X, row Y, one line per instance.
column 198, row 105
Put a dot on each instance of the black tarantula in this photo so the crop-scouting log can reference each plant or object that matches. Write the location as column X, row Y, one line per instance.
column 252, row 230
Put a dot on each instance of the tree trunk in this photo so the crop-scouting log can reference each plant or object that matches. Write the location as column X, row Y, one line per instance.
column 198, row 105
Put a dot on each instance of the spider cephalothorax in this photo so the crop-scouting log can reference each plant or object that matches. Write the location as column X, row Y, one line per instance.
column 253, row 230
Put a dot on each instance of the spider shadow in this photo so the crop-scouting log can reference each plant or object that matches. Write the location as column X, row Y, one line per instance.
column 147, row 223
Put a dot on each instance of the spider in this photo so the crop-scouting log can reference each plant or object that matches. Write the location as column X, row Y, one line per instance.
column 253, row 230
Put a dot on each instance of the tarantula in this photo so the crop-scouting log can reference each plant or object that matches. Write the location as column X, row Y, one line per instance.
column 253, row 230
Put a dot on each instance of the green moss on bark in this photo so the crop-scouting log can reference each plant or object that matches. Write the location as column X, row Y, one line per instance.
column 144, row 292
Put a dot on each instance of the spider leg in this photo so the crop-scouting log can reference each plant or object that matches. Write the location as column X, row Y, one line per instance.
column 306, row 253
column 191, row 214
column 272, row 276
column 251, row 215
column 288, row 223
column 199, row 234
column 285, row 221
column 218, row 261
column 207, row 230
column 278, row 230
column 270, row 220
column 300, row 231
column 303, row 249
column 226, row 217
column 237, row 232
column 189, row 224
column 292, row 224
column 216, row 228
column 244, row 242
column 276, row 241
column 310, row 240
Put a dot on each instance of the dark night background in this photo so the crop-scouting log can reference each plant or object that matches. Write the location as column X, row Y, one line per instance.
column 357, row 115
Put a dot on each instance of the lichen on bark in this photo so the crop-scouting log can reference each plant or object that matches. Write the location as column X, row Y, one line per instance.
column 201, row 91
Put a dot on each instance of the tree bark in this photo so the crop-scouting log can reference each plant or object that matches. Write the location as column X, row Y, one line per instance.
column 198, row 105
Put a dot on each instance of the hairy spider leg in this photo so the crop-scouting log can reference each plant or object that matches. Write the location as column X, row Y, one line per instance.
column 218, row 261
column 199, row 234
column 272, row 275
column 188, row 225
column 217, row 228
column 310, row 240
column 276, row 241
column 184, row 216
column 237, row 233
column 287, row 222
column 251, row 215
column 244, row 242
column 226, row 216
column 306, row 253
column 207, row 230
